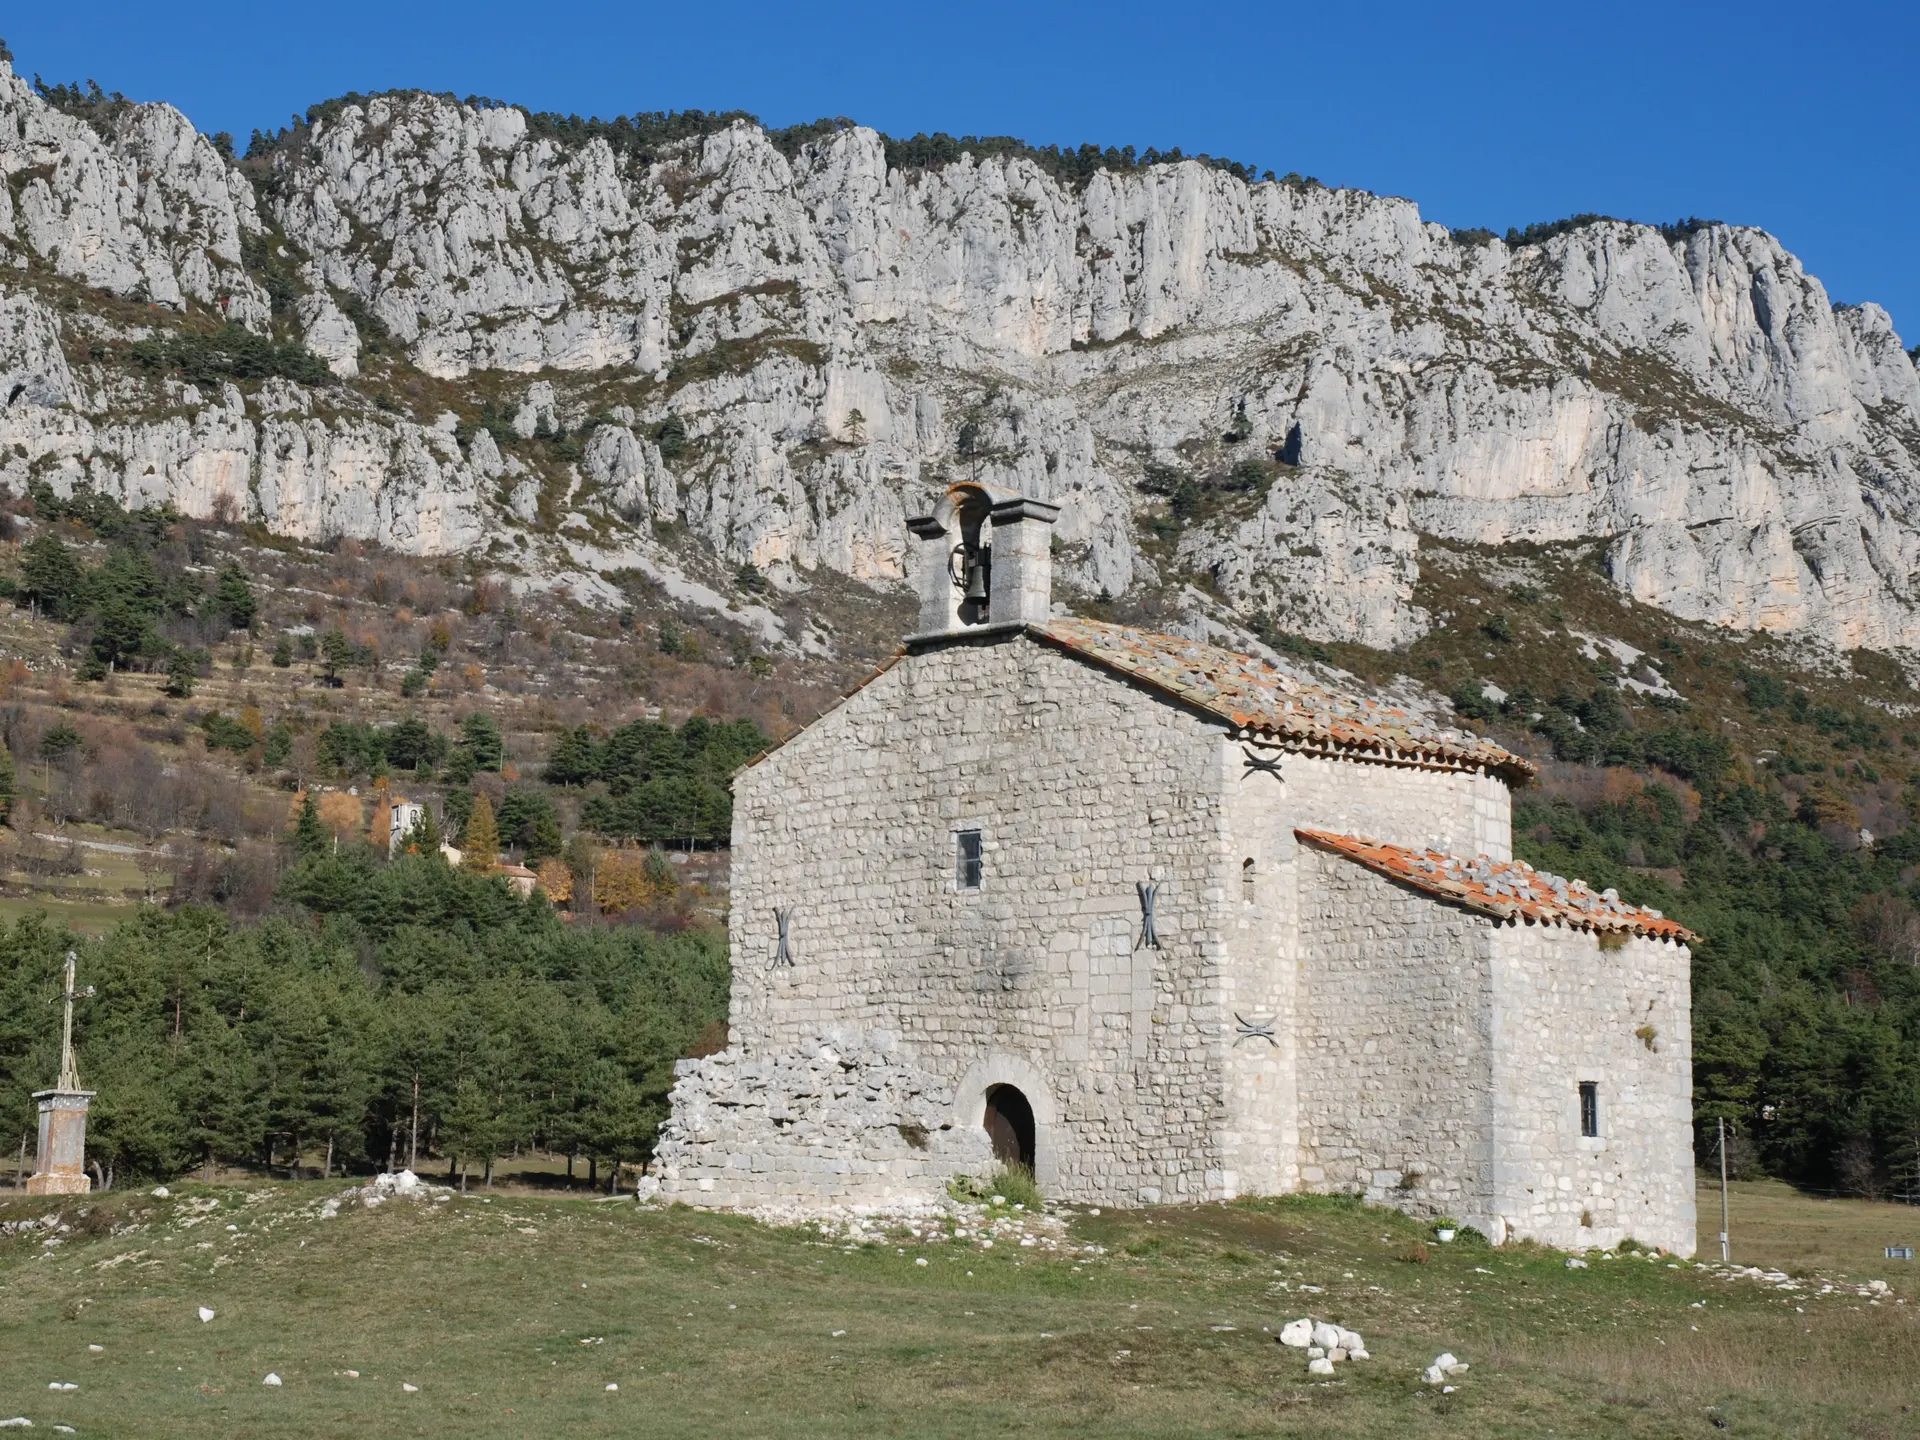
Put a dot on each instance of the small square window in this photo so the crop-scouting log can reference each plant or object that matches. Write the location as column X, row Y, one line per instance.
column 1590, row 1108
column 967, row 863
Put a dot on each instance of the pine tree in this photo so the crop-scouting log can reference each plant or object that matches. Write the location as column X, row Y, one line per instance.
column 234, row 596
column 50, row 575
column 182, row 672
column 480, row 843
column 482, row 737
column 282, row 652
column 575, row 758
column 336, row 653
column 8, row 783
column 309, row 835
column 221, row 1093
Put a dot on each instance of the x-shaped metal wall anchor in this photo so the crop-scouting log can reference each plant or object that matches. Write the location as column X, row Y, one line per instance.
column 1256, row 1029
column 1264, row 767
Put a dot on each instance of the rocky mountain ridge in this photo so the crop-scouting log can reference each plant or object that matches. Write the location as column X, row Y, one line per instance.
column 574, row 360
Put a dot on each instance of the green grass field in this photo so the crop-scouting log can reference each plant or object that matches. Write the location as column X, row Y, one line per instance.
column 512, row 1313
column 88, row 917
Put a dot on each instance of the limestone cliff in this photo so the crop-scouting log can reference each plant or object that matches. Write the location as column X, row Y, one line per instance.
column 581, row 356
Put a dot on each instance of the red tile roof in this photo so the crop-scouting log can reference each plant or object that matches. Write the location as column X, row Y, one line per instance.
column 1504, row 888
column 1258, row 698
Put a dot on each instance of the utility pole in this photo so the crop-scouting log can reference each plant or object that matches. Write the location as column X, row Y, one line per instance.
column 1725, row 1252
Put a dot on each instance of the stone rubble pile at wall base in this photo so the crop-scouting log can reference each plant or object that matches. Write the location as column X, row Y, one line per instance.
column 812, row 1129
column 829, row 331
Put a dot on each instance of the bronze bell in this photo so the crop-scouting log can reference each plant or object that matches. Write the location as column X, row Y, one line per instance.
column 976, row 592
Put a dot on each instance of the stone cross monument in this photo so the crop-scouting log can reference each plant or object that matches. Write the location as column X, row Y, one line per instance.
column 61, row 1168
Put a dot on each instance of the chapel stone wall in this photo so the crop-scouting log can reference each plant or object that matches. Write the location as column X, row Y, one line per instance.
column 1567, row 1009
column 1395, row 1069
column 1458, row 812
column 1082, row 787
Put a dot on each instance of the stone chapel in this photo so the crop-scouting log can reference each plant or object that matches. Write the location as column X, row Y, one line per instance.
column 1168, row 923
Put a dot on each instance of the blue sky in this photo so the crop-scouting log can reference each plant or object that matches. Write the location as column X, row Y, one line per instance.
column 1802, row 119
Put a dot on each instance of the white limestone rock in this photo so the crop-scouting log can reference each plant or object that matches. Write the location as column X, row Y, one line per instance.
column 329, row 333
column 1297, row 1334
column 154, row 212
column 33, row 368
column 828, row 331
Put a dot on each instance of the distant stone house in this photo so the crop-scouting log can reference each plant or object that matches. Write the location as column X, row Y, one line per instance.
column 1167, row 923
column 522, row 881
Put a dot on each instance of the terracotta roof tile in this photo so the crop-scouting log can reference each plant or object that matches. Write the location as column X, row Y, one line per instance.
column 1259, row 698
column 1504, row 888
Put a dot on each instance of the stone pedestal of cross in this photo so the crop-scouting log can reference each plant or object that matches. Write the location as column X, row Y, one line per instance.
column 61, row 1165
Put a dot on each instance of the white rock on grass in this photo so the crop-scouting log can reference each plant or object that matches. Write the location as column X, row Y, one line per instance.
column 1574, row 1262
column 160, row 1192
column 409, row 1389
column 403, row 1182
column 1320, row 1366
column 1297, row 1334
column 272, row 1379
column 1326, row 1336
column 18, row 1422
column 205, row 1314
column 61, row 1385
column 1434, row 1375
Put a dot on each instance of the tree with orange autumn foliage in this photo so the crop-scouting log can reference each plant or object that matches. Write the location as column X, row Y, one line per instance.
column 480, row 841
column 342, row 815
column 556, row 879
column 380, row 827
column 632, row 879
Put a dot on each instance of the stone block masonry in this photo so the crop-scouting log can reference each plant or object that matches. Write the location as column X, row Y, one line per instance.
column 1395, row 1073
column 1080, row 790
column 1567, row 1011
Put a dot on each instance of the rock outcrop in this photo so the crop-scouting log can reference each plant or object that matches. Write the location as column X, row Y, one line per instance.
column 785, row 348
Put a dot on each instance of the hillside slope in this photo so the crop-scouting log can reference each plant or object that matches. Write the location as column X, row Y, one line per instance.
column 576, row 345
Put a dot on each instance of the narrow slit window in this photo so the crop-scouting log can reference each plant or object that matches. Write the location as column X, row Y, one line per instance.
column 1590, row 1108
column 968, row 865
column 1246, row 881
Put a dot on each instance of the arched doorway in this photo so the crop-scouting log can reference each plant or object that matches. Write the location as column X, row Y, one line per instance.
column 1009, row 1125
